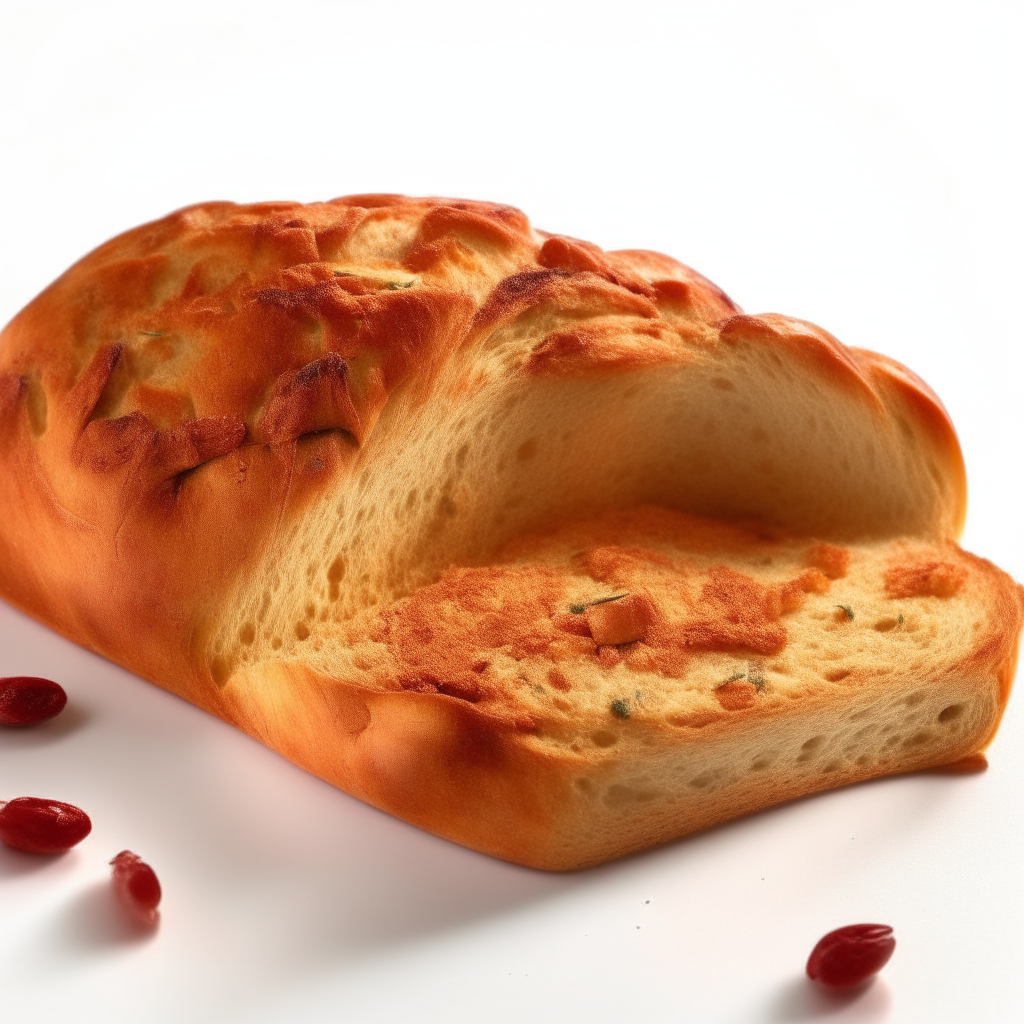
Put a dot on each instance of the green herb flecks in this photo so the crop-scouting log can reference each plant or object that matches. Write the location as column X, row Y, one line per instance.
column 392, row 285
column 620, row 708
column 846, row 608
column 154, row 334
column 899, row 621
column 735, row 677
column 755, row 675
column 578, row 607
column 343, row 273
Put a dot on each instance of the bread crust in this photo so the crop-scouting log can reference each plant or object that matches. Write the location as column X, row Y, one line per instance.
column 186, row 397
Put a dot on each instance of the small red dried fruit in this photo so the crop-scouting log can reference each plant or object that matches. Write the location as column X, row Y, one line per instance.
column 850, row 955
column 26, row 700
column 35, row 825
column 137, row 886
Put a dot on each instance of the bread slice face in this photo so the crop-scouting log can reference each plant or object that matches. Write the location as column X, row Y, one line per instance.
column 236, row 443
column 607, row 685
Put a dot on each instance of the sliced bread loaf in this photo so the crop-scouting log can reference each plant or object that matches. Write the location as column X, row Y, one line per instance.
column 291, row 462
column 606, row 685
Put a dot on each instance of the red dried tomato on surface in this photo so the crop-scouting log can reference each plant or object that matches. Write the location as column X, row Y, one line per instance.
column 27, row 700
column 137, row 886
column 36, row 825
column 850, row 955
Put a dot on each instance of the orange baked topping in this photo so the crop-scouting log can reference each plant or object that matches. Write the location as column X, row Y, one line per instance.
column 925, row 579
column 736, row 695
column 658, row 613
column 439, row 637
column 618, row 622
column 833, row 561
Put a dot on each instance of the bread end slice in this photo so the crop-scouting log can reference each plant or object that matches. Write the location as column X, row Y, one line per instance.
column 570, row 754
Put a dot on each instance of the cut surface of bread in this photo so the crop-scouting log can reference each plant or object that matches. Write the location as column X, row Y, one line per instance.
column 339, row 472
column 611, row 684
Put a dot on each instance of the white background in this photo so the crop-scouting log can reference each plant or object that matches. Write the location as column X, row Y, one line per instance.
column 855, row 164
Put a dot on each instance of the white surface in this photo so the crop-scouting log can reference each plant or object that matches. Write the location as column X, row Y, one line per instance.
column 854, row 164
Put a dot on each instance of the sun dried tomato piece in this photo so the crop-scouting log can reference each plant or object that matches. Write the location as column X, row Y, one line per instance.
column 35, row 825
column 26, row 700
column 137, row 885
column 621, row 620
column 850, row 955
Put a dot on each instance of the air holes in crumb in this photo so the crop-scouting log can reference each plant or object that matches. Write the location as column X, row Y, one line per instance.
column 836, row 674
column 950, row 714
column 832, row 766
column 276, row 643
column 915, row 698
column 585, row 786
column 220, row 669
column 760, row 763
column 810, row 747
column 335, row 574
column 918, row 739
column 723, row 384
column 301, row 630
column 618, row 795
column 884, row 625
column 527, row 450
column 693, row 720
column 604, row 739
column 247, row 633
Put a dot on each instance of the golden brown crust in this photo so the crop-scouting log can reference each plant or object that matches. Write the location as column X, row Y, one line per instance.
column 185, row 397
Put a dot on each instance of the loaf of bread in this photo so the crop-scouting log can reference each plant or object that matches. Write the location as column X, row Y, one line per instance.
column 549, row 550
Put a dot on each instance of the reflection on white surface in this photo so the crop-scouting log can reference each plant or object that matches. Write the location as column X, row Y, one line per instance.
column 798, row 1001
column 92, row 923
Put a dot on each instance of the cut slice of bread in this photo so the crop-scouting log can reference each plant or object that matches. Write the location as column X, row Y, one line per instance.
column 607, row 685
column 242, row 445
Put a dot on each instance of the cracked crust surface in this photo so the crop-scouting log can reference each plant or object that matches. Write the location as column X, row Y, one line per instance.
column 242, row 445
